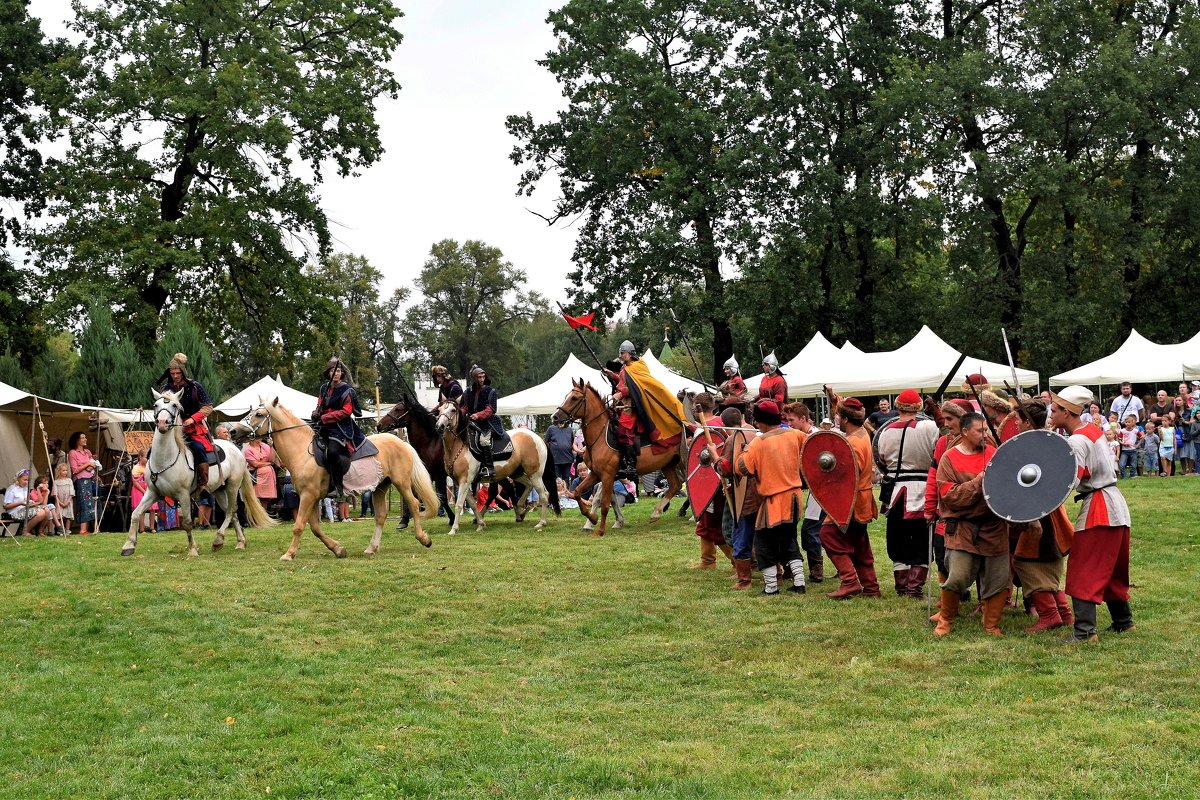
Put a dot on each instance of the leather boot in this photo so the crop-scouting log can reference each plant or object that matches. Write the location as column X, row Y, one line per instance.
column 916, row 582
column 816, row 567
column 901, row 576
column 487, row 468
column 870, row 584
column 993, row 608
column 850, row 586
column 728, row 551
column 201, row 476
column 1064, row 608
column 1047, row 611
column 1122, row 617
column 1085, row 623
column 708, row 556
column 945, row 618
column 741, row 567
column 941, row 578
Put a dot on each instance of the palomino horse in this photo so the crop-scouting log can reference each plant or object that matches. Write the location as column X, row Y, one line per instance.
column 421, row 427
column 585, row 404
column 399, row 461
column 529, row 465
column 170, row 473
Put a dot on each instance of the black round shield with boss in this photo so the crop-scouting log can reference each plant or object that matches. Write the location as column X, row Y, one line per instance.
column 1029, row 476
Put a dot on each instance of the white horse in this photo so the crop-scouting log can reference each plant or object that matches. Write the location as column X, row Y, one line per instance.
column 170, row 473
column 529, row 464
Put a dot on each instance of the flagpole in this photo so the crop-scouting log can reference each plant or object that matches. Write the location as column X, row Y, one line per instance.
column 595, row 357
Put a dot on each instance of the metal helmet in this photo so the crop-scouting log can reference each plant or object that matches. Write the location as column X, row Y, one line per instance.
column 627, row 347
column 732, row 364
column 770, row 362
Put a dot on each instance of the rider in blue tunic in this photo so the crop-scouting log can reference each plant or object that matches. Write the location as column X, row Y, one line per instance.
column 337, row 406
column 194, row 400
column 479, row 403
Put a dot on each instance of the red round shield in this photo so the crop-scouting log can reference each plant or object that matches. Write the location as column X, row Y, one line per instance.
column 703, row 480
column 1009, row 428
column 828, row 465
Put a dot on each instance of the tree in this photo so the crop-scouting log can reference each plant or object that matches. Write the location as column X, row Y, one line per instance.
column 198, row 131
column 110, row 372
column 11, row 371
column 180, row 335
column 471, row 301
column 651, row 151
column 52, row 367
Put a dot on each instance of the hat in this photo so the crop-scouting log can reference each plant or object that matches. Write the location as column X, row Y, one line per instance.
column 852, row 409
column 990, row 399
column 978, row 381
column 626, row 347
column 179, row 362
column 771, row 361
column 908, row 400
column 1073, row 398
column 826, row 421
column 476, row 370
column 767, row 411
column 438, row 369
column 732, row 364
column 21, row 472
column 957, row 407
column 1195, row 383
column 334, row 361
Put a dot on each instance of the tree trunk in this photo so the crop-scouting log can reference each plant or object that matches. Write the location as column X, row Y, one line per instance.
column 1139, row 168
column 710, row 267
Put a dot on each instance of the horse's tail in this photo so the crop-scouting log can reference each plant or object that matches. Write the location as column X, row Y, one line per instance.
column 550, row 481
column 255, row 513
column 422, row 486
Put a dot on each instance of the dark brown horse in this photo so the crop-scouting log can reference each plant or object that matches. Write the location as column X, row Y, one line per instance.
column 419, row 423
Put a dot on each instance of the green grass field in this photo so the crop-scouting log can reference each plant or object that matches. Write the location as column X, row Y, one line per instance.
column 516, row 663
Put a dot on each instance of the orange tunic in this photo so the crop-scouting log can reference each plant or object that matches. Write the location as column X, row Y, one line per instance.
column 774, row 460
column 865, row 509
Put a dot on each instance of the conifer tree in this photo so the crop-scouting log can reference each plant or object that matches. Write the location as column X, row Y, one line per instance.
column 183, row 336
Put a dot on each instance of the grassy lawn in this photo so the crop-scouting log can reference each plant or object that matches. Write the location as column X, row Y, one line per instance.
column 513, row 663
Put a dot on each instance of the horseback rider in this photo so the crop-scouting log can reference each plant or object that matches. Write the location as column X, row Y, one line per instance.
column 644, row 405
column 194, row 400
column 773, row 386
column 337, row 406
column 449, row 389
column 479, row 404
column 732, row 391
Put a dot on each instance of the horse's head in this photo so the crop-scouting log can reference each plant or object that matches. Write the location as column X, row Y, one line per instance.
column 396, row 417
column 573, row 404
column 447, row 418
column 167, row 409
column 259, row 420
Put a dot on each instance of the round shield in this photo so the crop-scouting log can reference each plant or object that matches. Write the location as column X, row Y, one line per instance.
column 828, row 465
column 1030, row 476
column 1010, row 427
column 735, row 445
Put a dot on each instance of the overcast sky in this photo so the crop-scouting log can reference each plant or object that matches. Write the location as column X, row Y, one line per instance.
column 463, row 67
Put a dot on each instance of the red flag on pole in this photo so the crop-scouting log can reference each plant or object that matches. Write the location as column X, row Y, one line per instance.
column 581, row 322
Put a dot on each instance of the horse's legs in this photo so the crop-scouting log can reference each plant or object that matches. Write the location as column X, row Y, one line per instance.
column 334, row 545
column 303, row 513
column 414, row 509
column 185, row 518
column 584, row 487
column 605, row 501
column 380, row 497
column 537, row 483
column 237, row 523
column 148, row 499
column 225, row 503
column 674, row 483
column 460, row 497
column 520, row 506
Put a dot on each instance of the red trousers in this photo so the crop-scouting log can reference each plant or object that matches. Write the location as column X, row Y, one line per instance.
column 1098, row 568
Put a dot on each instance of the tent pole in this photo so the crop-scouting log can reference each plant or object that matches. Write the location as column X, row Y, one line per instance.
column 116, row 470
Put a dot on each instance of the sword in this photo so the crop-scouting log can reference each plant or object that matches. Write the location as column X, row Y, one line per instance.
column 1011, row 365
column 949, row 377
column 986, row 418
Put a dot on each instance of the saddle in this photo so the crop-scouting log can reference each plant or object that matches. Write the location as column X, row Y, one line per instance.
column 367, row 449
column 610, row 436
column 502, row 446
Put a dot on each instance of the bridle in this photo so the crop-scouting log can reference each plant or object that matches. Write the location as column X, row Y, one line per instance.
column 257, row 429
column 574, row 413
column 173, row 410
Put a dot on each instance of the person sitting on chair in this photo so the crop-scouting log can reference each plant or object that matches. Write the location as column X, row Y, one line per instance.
column 479, row 404
column 337, row 406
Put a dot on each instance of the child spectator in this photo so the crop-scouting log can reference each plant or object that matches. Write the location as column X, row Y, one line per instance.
column 1129, row 445
column 1166, row 447
column 64, row 494
column 1150, row 444
column 41, row 496
column 1114, row 446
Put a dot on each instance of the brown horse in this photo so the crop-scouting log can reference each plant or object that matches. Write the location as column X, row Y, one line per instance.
column 529, row 464
column 585, row 404
column 399, row 462
column 421, row 427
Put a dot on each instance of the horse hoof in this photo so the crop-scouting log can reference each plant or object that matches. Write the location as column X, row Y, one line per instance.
column 285, row 557
column 341, row 552
column 618, row 526
column 655, row 517
column 539, row 526
column 240, row 546
column 370, row 551
column 217, row 546
column 597, row 534
column 126, row 551
column 425, row 540
column 193, row 552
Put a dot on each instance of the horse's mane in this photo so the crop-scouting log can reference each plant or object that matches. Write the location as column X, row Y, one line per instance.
column 288, row 417
column 423, row 416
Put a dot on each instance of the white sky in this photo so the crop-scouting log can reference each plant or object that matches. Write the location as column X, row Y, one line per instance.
column 463, row 67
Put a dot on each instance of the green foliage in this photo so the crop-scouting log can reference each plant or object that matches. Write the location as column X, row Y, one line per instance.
column 110, row 371
column 471, row 304
column 197, row 133
column 11, row 371
column 181, row 335
column 52, row 367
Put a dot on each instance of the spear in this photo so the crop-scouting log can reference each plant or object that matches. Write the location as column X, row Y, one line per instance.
column 595, row 357
column 691, row 355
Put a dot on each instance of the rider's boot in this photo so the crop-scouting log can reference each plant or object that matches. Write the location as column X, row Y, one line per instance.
column 629, row 457
column 486, row 469
column 201, row 475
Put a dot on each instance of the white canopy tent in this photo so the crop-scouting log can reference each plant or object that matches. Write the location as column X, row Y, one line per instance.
column 1137, row 360
column 669, row 377
column 819, row 350
column 546, row 397
column 266, row 388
